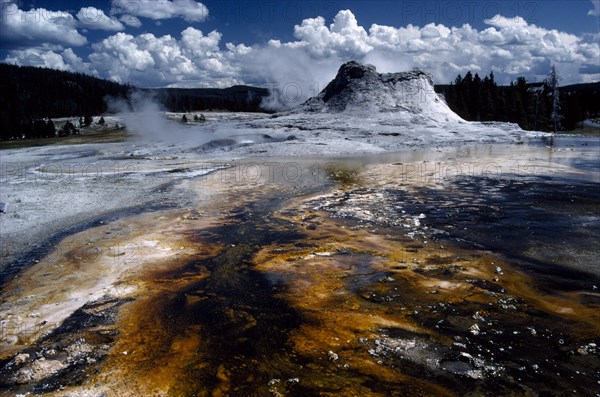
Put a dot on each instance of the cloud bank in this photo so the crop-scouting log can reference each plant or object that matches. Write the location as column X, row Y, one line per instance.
column 510, row 47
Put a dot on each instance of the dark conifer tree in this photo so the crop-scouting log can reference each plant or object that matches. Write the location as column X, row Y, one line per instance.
column 50, row 129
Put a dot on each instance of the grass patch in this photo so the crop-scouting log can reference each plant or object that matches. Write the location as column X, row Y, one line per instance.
column 103, row 136
column 587, row 131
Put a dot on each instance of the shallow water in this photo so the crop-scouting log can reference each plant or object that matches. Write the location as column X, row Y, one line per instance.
column 440, row 272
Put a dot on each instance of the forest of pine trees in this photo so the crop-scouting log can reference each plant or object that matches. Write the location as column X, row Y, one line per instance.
column 238, row 98
column 528, row 104
column 30, row 96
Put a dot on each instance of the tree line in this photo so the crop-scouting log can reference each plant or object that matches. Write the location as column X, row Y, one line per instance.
column 31, row 96
column 533, row 105
column 238, row 98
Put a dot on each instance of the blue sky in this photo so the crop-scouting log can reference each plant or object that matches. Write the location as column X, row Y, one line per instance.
column 221, row 42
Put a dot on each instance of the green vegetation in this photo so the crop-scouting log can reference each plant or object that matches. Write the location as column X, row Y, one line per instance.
column 239, row 98
column 587, row 131
column 103, row 136
column 31, row 96
column 534, row 106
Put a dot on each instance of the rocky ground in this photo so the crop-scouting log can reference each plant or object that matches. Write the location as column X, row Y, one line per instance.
column 377, row 276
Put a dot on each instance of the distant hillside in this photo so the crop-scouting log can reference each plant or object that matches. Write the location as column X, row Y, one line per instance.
column 587, row 88
column 239, row 98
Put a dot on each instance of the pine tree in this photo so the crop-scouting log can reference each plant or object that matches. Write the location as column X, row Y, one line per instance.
column 486, row 100
column 552, row 82
column 476, row 94
column 522, row 102
column 68, row 129
column 50, row 129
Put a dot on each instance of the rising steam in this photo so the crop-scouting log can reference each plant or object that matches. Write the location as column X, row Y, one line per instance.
column 146, row 119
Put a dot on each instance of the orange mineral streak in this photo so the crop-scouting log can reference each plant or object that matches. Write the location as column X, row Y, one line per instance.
column 103, row 261
column 332, row 279
column 332, row 252
column 133, row 257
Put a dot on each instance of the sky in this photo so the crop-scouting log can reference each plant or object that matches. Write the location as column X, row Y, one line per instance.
column 299, row 45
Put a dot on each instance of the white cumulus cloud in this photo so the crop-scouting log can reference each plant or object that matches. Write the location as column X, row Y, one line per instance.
column 509, row 46
column 93, row 18
column 65, row 60
column 189, row 10
column 343, row 37
column 500, row 21
column 130, row 20
column 20, row 28
column 148, row 60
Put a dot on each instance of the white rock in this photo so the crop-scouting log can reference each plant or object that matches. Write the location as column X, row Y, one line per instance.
column 21, row 358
